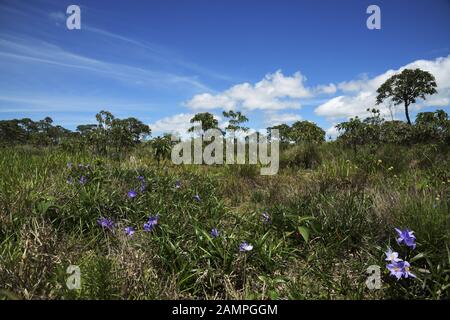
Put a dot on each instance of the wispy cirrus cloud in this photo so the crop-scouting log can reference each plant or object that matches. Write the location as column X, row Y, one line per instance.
column 156, row 52
column 38, row 103
column 33, row 51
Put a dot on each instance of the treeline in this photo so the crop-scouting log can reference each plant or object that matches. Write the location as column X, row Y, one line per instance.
column 429, row 127
column 114, row 135
column 109, row 134
column 27, row 131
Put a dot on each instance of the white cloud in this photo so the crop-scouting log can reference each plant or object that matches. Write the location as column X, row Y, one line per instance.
column 274, row 92
column 361, row 94
column 273, row 119
column 332, row 132
column 438, row 101
column 178, row 123
column 326, row 89
column 345, row 106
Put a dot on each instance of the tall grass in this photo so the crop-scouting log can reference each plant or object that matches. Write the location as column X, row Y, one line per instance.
column 332, row 214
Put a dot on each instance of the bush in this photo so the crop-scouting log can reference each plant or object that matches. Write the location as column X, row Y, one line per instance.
column 303, row 156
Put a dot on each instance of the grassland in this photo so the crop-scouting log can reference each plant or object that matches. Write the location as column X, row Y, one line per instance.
column 332, row 214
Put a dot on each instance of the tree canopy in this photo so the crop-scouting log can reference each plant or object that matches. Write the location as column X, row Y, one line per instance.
column 300, row 131
column 405, row 88
column 207, row 121
column 236, row 119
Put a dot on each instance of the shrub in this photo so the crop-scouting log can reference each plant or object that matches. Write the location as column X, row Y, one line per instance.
column 302, row 156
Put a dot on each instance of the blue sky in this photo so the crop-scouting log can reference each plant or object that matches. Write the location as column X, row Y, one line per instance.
column 163, row 61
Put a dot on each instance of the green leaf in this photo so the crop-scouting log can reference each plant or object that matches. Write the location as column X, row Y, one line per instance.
column 417, row 257
column 306, row 218
column 304, row 233
column 273, row 295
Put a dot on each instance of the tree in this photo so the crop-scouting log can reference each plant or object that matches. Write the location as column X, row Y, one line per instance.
column 101, row 135
column 30, row 127
column 11, row 133
column 352, row 132
column 396, row 132
column 372, row 126
column 207, row 121
column 104, row 119
column 86, row 129
column 284, row 133
column 137, row 129
column 406, row 87
column 161, row 147
column 432, row 127
column 235, row 121
column 125, row 133
column 86, row 135
column 57, row 133
column 306, row 131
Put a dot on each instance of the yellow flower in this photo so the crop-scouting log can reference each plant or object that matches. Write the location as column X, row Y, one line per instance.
column 390, row 168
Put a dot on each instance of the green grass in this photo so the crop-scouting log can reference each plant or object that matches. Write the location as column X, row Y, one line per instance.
column 333, row 214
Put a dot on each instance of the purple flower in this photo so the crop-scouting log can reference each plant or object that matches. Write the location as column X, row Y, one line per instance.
column 265, row 217
column 80, row 165
column 151, row 223
column 245, row 247
column 106, row 223
column 143, row 186
column 178, row 184
column 214, row 233
column 395, row 270
column 69, row 181
column 132, row 194
column 69, row 165
column 407, row 237
column 400, row 269
column 83, row 180
column 197, row 198
column 129, row 231
column 392, row 256
column 405, row 267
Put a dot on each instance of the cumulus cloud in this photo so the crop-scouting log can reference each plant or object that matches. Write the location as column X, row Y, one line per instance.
column 360, row 94
column 326, row 89
column 332, row 132
column 178, row 124
column 274, row 92
column 346, row 106
column 273, row 119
